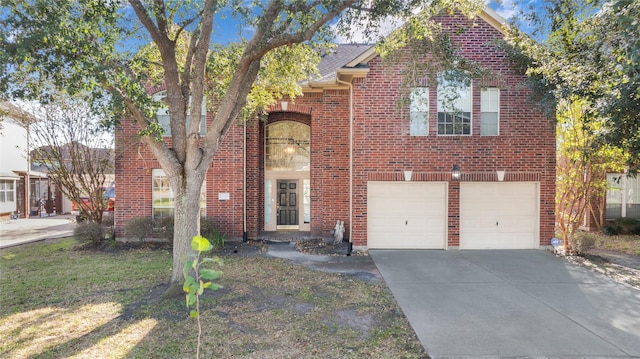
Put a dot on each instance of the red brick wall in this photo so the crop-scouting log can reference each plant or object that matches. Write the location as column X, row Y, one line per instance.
column 525, row 149
column 327, row 113
column 526, row 143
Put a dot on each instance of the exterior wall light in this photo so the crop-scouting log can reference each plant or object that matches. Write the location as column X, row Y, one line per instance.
column 455, row 173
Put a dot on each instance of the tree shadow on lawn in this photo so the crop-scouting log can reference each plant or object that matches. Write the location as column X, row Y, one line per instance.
column 269, row 308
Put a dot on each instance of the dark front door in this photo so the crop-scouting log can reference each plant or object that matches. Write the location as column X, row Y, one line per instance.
column 287, row 202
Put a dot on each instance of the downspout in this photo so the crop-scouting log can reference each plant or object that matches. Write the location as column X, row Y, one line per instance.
column 244, row 187
column 350, row 248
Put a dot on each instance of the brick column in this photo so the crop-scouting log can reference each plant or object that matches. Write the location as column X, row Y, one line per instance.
column 453, row 223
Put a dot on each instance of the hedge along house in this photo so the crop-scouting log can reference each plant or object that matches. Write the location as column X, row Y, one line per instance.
column 418, row 177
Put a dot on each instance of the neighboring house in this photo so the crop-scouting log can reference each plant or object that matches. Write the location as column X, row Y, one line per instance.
column 623, row 196
column 69, row 155
column 345, row 151
column 621, row 200
column 22, row 192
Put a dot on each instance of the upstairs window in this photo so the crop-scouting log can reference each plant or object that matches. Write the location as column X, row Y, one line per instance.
column 454, row 104
column 419, row 111
column 490, row 112
column 163, row 115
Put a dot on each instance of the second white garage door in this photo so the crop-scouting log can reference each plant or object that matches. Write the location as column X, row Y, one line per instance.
column 499, row 215
column 406, row 215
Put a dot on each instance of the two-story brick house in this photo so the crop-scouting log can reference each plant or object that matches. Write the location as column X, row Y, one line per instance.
column 345, row 151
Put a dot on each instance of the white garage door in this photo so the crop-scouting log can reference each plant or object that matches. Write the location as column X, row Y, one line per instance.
column 499, row 215
column 406, row 215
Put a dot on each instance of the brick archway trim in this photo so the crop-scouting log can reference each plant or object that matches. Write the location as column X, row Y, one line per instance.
column 291, row 107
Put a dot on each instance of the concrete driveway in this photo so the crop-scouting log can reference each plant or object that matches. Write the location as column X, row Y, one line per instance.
column 504, row 304
column 27, row 230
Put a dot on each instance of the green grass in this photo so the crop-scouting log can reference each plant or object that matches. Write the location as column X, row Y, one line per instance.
column 59, row 302
column 629, row 244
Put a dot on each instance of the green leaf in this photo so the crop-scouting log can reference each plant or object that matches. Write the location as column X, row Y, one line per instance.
column 200, row 244
column 191, row 299
column 193, row 314
column 188, row 284
column 210, row 274
column 187, row 267
column 215, row 286
column 201, row 288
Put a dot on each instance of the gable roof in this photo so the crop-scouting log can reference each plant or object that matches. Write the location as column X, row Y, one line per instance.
column 340, row 56
column 16, row 113
column 346, row 61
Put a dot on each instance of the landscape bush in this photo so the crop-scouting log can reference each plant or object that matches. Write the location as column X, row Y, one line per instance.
column 611, row 229
column 89, row 232
column 138, row 227
column 623, row 225
column 208, row 230
column 163, row 228
column 582, row 242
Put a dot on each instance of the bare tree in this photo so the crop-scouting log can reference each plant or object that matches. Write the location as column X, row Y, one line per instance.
column 75, row 151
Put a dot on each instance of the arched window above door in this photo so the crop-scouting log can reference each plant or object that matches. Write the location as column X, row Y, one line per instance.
column 287, row 146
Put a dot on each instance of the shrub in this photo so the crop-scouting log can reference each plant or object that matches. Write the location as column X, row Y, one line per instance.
column 139, row 227
column 635, row 230
column 582, row 242
column 611, row 229
column 626, row 221
column 208, row 230
column 163, row 228
column 627, row 224
column 89, row 232
column 107, row 219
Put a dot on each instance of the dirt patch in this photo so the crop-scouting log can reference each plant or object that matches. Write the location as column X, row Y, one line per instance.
column 322, row 247
column 619, row 266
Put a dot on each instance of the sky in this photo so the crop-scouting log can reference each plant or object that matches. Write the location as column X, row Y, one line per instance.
column 227, row 28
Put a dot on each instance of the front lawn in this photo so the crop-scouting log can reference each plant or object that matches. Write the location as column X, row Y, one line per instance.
column 60, row 302
column 628, row 244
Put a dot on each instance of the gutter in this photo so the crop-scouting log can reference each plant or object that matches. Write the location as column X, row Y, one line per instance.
column 350, row 248
column 244, row 186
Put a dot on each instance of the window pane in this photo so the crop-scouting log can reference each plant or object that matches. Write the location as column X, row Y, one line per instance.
column 454, row 103
column 490, row 108
column 418, row 126
column 489, row 124
column 419, row 111
column 287, row 146
column 454, row 123
column 306, row 200
column 490, row 100
column 419, row 99
column 162, row 197
column 454, row 95
column 267, row 202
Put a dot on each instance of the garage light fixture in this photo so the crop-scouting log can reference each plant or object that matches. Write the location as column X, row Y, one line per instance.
column 455, row 173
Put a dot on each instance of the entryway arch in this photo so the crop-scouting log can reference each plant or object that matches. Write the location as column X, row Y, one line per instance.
column 287, row 168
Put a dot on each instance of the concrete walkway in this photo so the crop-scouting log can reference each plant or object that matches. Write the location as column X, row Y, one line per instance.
column 506, row 304
column 26, row 230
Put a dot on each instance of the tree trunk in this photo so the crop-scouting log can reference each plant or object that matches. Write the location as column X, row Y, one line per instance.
column 186, row 225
